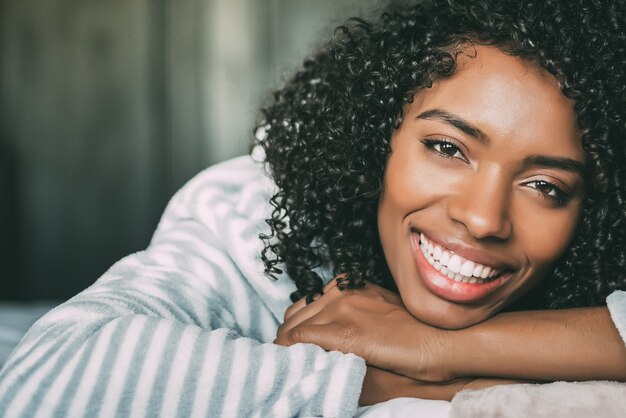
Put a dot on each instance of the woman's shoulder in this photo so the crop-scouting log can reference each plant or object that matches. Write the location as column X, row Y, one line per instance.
column 224, row 210
column 239, row 185
column 233, row 174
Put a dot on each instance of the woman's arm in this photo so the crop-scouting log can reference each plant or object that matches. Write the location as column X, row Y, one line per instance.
column 572, row 344
column 382, row 385
column 180, row 329
column 567, row 344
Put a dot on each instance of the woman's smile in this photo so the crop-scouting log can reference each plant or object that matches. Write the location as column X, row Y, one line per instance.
column 454, row 277
column 482, row 189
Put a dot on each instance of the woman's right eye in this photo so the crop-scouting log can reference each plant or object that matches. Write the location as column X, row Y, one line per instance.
column 444, row 148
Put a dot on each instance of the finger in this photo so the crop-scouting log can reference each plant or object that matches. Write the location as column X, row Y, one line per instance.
column 300, row 304
column 331, row 336
column 288, row 333
column 294, row 308
column 311, row 310
column 332, row 283
column 306, row 313
column 300, row 312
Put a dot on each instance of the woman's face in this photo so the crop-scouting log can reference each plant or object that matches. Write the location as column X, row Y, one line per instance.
column 482, row 189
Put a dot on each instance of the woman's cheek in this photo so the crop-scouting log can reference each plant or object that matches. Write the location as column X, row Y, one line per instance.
column 546, row 234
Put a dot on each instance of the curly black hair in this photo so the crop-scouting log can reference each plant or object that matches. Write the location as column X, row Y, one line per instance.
column 327, row 134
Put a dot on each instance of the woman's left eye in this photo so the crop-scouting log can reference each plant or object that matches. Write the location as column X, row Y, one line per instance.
column 444, row 148
column 549, row 191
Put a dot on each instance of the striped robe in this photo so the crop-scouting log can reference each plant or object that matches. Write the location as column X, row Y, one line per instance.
column 183, row 328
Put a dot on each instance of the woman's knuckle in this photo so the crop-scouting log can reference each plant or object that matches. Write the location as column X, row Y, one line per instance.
column 348, row 330
column 296, row 335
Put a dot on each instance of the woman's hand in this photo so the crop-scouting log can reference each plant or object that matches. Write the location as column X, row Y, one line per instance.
column 382, row 385
column 372, row 323
column 565, row 344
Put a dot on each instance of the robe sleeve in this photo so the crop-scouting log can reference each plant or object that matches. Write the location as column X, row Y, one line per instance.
column 183, row 328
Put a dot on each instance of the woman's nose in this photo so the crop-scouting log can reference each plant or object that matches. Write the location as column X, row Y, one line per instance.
column 482, row 205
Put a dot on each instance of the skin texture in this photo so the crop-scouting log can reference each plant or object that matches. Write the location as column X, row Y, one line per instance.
column 479, row 197
column 381, row 385
column 483, row 199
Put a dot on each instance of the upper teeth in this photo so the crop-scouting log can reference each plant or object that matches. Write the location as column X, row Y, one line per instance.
column 454, row 266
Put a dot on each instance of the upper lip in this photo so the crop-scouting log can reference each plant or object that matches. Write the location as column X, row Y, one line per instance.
column 467, row 251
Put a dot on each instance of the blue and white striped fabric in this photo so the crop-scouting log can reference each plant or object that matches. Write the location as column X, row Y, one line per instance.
column 183, row 328
column 15, row 320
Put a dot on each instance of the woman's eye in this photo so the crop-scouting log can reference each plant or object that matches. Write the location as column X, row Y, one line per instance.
column 444, row 148
column 549, row 191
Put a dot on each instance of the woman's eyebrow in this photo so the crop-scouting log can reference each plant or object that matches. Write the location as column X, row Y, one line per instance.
column 561, row 163
column 456, row 121
column 467, row 128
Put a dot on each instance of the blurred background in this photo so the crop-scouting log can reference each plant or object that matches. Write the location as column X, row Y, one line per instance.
column 108, row 107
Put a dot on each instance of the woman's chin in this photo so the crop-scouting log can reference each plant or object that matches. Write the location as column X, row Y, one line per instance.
column 445, row 315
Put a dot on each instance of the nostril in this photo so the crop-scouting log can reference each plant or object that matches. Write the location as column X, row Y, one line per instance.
column 484, row 216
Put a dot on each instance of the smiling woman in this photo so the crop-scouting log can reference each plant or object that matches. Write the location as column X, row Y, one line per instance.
column 467, row 155
column 473, row 188
column 432, row 174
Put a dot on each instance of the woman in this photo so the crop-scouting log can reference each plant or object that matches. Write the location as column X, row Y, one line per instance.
column 502, row 168
column 464, row 155
column 475, row 209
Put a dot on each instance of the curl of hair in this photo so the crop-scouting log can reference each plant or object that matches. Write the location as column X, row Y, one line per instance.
column 328, row 131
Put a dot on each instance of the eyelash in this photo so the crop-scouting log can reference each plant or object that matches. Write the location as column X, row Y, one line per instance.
column 432, row 143
column 559, row 197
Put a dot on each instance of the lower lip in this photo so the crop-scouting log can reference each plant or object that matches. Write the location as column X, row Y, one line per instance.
column 449, row 289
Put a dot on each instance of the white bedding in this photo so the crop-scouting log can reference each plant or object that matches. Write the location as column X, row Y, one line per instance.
column 597, row 399
column 406, row 408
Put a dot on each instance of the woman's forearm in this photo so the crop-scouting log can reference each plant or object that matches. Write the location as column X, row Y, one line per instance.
column 568, row 344
column 382, row 385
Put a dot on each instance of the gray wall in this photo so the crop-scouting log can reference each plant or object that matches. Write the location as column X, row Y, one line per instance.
column 108, row 107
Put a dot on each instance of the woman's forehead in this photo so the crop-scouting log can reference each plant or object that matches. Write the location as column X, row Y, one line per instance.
column 505, row 97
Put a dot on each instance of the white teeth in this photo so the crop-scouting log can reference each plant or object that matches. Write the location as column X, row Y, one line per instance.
column 467, row 268
column 477, row 270
column 454, row 266
column 485, row 273
column 455, row 263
